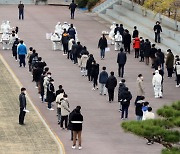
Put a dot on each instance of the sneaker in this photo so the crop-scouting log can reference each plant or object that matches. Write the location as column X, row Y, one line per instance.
column 51, row 109
column 80, row 147
column 73, row 147
column 177, row 86
column 93, row 89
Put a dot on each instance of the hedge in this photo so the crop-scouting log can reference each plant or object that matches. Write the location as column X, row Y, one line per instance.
column 87, row 3
column 164, row 131
column 82, row 3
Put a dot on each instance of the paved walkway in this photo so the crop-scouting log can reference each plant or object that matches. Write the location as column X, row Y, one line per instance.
column 101, row 130
column 30, row 138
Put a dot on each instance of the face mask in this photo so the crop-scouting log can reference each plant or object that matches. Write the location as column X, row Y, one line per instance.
column 48, row 76
column 65, row 98
column 25, row 92
column 142, row 78
column 52, row 82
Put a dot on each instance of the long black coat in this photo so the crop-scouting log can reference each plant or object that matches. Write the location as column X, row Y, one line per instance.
column 138, row 109
column 121, row 90
column 127, row 39
column 147, row 48
column 50, row 93
column 102, row 43
column 111, row 82
column 126, row 95
column 95, row 70
column 121, row 58
column 14, row 48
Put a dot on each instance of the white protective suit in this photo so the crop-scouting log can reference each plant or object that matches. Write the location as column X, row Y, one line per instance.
column 111, row 33
column 2, row 26
column 65, row 26
column 5, row 27
column 55, row 41
column 118, row 41
column 58, row 29
column 157, row 84
column 5, row 41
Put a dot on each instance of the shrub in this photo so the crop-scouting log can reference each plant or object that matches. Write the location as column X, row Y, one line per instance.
column 81, row 3
column 91, row 3
column 171, row 151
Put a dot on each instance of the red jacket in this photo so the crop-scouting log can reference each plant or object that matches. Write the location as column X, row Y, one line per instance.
column 136, row 43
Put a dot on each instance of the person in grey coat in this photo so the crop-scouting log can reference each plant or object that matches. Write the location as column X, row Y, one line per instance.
column 22, row 101
column 121, row 60
column 102, row 80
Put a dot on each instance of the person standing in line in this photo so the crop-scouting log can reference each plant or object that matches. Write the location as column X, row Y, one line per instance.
column 140, row 88
column 102, row 80
column 138, row 109
column 94, row 74
column 136, row 46
column 170, row 63
column 102, row 45
column 84, row 59
column 120, row 90
column 21, row 10
column 153, row 52
column 111, row 85
column 50, row 94
column 22, row 100
column 157, row 31
column 70, row 125
column 65, row 40
column 78, row 51
column 14, row 48
column 77, row 120
column 89, row 67
column 142, row 49
column 161, row 56
column 65, row 110
column 147, row 48
column 70, row 43
column 121, row 60
column 127, row 41
column 177, row 69
column 135, row 32
column 58, row 102
column 72, row 7
column 72, row 32
column 22, row 52
column 157, row 84
column 126, row 97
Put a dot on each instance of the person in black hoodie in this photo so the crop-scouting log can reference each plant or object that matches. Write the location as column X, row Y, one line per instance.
column 65, row 40
column 127, row 41
column 14, row 48
column 89, row 67
column 78, row 51
column 94, row 74
column 147, row 48
column 110, row 85
column 102, row 45
column 142, row 49
column 50, row 94
column 153, row 51
column 120, row 90
column 157, row 31
column 22, row 101
column 125, row 102
column 77, row 120
column 72, row 7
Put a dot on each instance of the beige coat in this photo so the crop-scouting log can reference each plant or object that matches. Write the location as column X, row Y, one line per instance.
column 65, row 110
column 84, row 59
column 58, row 98
column 140, row 87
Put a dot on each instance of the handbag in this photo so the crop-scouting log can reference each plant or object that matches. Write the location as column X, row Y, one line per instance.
column 107, row 49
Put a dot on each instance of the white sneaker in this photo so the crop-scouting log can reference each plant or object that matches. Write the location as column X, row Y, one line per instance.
column 73, row 147
column 51, row 109
column 177, row 86
column 80, row 147
column 93, row 89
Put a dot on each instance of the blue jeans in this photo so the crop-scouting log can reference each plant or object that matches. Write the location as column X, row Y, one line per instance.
column 102, row 53
column 124, row 111
column 139, row 118
column 21, row 14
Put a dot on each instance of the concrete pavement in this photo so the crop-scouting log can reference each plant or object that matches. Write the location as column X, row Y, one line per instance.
column 101, row 129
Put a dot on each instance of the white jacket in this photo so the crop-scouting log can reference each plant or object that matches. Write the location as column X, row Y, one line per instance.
column 178, row 67
column 84, row 59
column 157, row 79
column 65, row 110
column 58, row 98
column 70, row 44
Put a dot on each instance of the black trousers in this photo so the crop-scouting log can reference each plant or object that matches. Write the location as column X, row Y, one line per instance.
column 170, row 72
column 127, row 48
column 95, row 78
column 21, row 116
column 157, row 37
column 65, row 48
column 22, row 60
column 111, row 94
column 121, row 70
column 64, row 118
column 21, row 14
column 72, row 14
column 136, row 53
